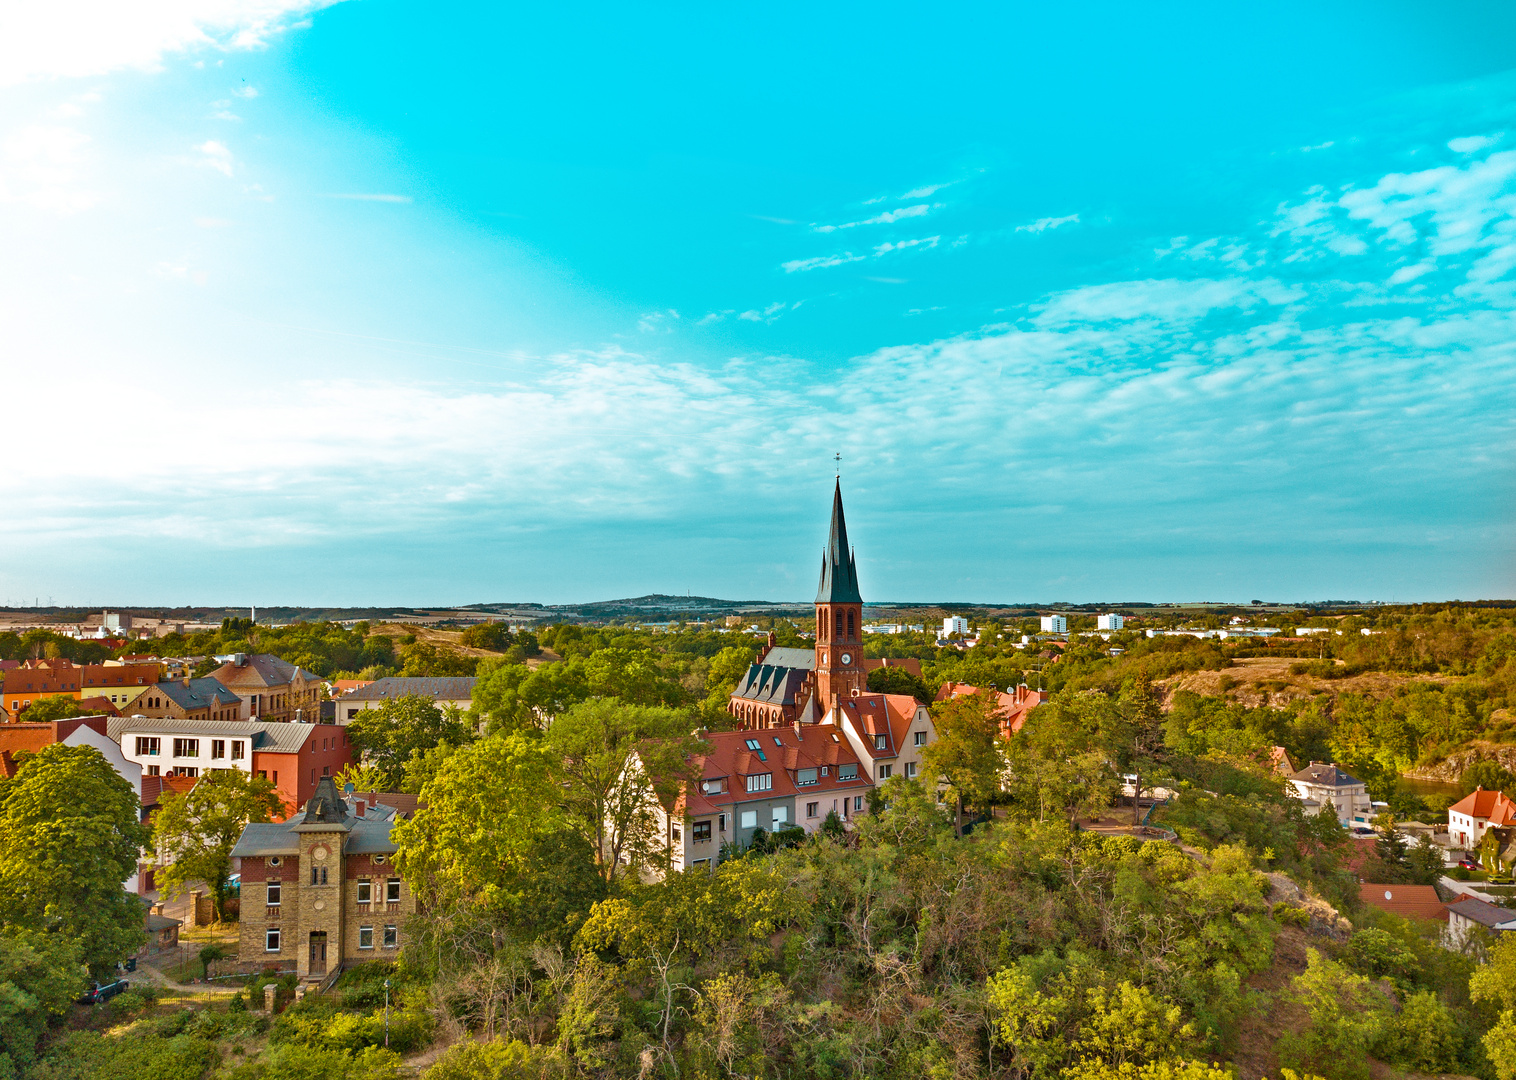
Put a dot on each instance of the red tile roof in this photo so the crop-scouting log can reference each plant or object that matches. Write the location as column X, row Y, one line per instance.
column 1013, row 706
column 781, row 752
column 904, row 663
column 1407, row 901
column 1491, row 806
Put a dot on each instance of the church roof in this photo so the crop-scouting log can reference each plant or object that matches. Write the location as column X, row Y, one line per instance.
column 839, row 567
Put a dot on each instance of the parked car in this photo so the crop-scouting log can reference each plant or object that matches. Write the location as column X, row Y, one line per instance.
column 1469, row 863
column 101, row 993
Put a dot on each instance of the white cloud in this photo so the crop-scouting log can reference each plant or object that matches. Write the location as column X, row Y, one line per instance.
column 889, row 217
column 1043, row 224
column 903, row 245
column 216, row 155
column 246, row 91
column 820, row 262
column 1169, row 300
column 81, row 38
column 41, row 165
column 927, row 191
column 1472, row 144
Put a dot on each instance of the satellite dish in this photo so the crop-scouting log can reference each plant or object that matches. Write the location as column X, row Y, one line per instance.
column 1387, row 895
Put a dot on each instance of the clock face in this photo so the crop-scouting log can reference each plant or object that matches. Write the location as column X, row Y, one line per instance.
column 847, row 658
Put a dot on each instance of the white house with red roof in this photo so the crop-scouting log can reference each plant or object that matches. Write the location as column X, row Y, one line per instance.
column 769, row 779
column 1471, row 816
column 886, row 731
column 1012, row 706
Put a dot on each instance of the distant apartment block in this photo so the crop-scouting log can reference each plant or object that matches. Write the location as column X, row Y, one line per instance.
column 1110, row 622
column 954, row 624
column 1055, row 624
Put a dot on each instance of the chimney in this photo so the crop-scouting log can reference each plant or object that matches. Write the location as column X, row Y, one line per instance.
column 359, row 807
column 798, row 736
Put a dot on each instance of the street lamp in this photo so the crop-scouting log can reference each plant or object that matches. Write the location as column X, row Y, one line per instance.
column 386, row 1014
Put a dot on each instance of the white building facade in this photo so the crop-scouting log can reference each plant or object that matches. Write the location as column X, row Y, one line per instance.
column 1055, row 624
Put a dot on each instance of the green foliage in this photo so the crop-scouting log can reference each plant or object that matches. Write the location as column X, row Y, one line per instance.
column 499, row 1059
column 1346, row 1016
column 40, row 976
column 297, row 1061
column 1424, row 1036
column 401, row 730
column 1488, row 774
column 895, row 680
column 320, row 1025
column 69, row 838
column 125, row 1055
column 968, row 754
column 325, row 648
column 196, row 831
column 58, row 707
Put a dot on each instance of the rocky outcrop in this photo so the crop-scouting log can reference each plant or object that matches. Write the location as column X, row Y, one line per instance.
column 1326, row 921
column 1450, row 768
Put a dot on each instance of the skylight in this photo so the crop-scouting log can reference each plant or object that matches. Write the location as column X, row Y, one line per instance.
column 778, row 742
column 752, row 744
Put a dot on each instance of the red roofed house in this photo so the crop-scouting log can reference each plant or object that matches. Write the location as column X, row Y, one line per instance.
column 1014, row 705
column 1474, row 813
column 37, row 679
column 771, row 779
column 1407, row 901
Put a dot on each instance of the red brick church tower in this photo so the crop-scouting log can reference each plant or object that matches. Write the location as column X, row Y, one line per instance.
column 839, row 618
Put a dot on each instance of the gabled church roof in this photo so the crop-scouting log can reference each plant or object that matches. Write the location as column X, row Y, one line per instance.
column 839, row 567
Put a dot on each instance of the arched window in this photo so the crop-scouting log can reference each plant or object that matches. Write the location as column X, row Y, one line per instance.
column 851, row 633
column 839, row 624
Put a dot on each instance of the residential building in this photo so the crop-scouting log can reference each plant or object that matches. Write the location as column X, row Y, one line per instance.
column 1013, row 706
column 1468, row 914
column 1407, row 901
column 1469, row 817
column 954, row 624
column 769, row 779
column 37, row 679
column 1055, row 624
column 457, row 692
column 1322, row 784
column 295, row 757
column 886, row 731
column 188, row 699
column 904, row 663
column 320, row 890
column 270, row 688
column 1110, row 622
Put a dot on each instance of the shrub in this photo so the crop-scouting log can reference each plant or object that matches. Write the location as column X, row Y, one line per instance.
column 88, row 1055
column 498, row 1060
column 1424, row 1036
column 1287, row 915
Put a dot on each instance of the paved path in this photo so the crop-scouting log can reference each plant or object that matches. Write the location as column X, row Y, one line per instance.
column 1466, row 888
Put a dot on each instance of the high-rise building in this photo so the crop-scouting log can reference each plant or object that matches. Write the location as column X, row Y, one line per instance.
column 1109, row 622
column 1055, row 624
column 954, row 624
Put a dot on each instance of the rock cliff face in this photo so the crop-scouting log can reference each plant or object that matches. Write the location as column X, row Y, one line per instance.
column 1450, row 768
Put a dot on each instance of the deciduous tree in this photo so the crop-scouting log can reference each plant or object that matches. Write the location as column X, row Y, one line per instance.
column 969, row 754
column 197, row 830
column 404, row 728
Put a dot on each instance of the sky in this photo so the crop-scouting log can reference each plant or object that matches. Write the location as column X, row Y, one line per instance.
column 395, row 303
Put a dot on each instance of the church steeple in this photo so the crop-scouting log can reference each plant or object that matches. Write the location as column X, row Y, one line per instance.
column 839, row 567
column 839, row 617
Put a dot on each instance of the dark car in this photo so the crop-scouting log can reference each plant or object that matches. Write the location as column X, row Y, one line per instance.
column 101, row 993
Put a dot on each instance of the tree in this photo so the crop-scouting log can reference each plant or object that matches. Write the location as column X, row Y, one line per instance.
column 1495, row 982
column 1346, row 1016
column 48, row 709
column 613, row 799
column 40, row 976
column 1486, row 773
column 479, row 821
column 69, row 837
column 197, row 830
column 897, row 680
column 209, row 954
column 1135, row 740
column 968, row 754
column 403, row 728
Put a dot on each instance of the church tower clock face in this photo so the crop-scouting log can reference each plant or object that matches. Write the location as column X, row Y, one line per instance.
column 847, row 658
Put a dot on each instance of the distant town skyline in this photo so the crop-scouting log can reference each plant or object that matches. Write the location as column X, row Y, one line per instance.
column 370, row 303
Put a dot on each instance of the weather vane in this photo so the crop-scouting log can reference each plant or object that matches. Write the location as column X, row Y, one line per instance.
column 838, row 458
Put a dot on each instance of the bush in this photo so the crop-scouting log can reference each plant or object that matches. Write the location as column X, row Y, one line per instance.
column 88, row 1055
column 1286, row 915
column 291, row 1061
column 1424, row 1036
column 498, row 1060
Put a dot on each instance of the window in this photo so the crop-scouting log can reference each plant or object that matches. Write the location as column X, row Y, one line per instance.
column 715, row 787
column 391, row 937
column 749, row 819
column 326, row 770
column 881, row 741
column 761, row 782
column 271, row 939
column 721, row 822
column 392, row 890
column 910, row 770
column 858, row 803
column 839, row 624
column 313, row 776
column 752, row 744
column 811, row 809
column 185, row 770
column 262, row 774
column 847, row 771
column 781, row 816
column 152, row 770
column 274, row 860
column 274, row 890
column 365, row 891
column 186, row 747
column 276, row 777
column 237, row 749
column 850, row 632
column 702, row 830
column 379, row 860
column 318, row 875
column 920, row 738
column 148, row 747
column 703, row 863
column 885, row 770
column 365, row 937
column 778, row 742
column 804, row 777
column 218, row 748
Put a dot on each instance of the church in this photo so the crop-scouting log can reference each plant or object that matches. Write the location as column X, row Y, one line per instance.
column 814, row 686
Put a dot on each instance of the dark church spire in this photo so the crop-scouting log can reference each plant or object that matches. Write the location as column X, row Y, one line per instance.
column 839, row 568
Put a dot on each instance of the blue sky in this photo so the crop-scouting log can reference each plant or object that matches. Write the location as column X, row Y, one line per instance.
column 380, row 302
